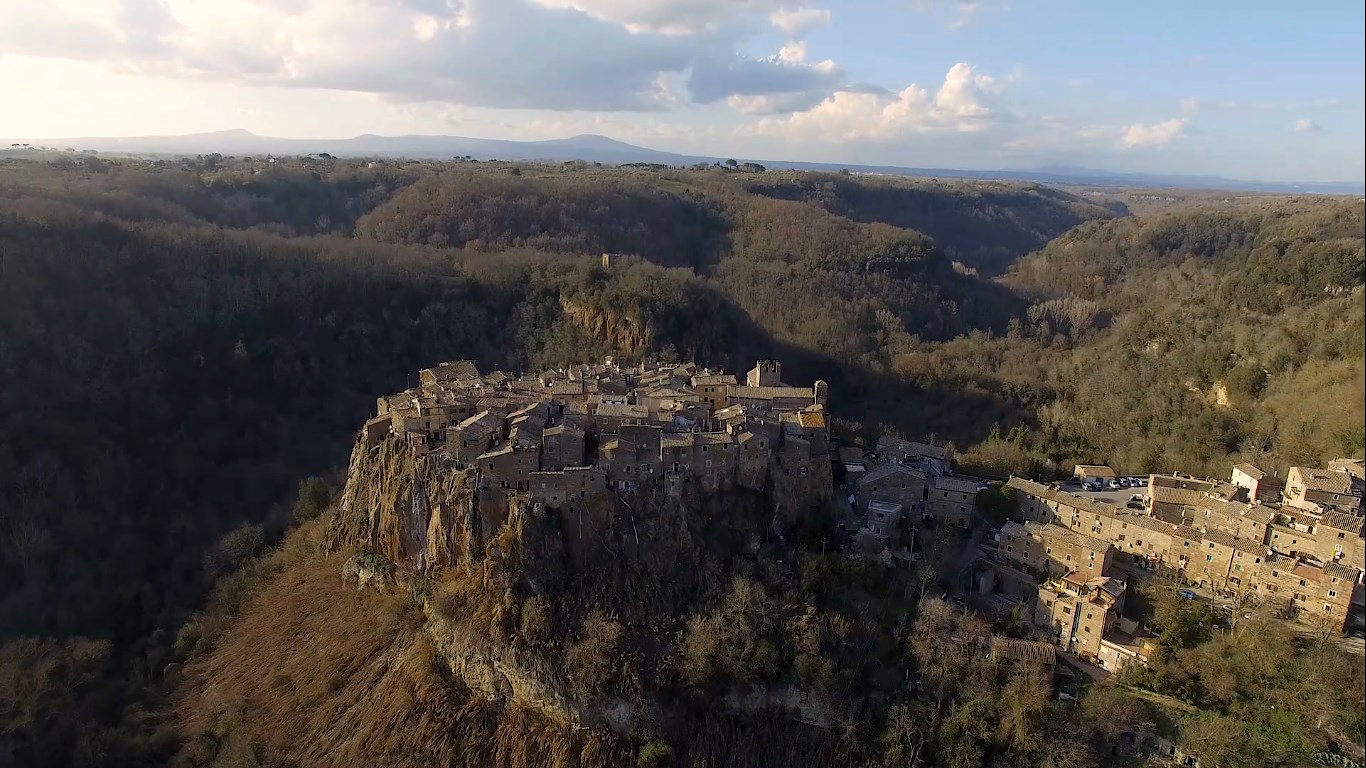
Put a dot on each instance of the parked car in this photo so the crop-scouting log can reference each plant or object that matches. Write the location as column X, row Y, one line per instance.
column 1186, row 594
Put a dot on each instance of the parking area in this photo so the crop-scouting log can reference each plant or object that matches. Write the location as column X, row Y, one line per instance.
column 1119, row 497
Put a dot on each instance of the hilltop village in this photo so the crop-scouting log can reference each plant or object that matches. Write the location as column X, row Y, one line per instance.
column 642, row 432
column 1064, row 562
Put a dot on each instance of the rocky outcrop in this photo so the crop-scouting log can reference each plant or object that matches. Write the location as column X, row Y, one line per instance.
column 622, row 334
column 497, row 673
column 419, row 512
column 410, row 517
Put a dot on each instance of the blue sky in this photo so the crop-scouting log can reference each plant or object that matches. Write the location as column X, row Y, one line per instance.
column 1254, row 89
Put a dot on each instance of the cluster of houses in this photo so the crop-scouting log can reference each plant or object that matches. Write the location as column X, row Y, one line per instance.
column 1296, row 544
column 640, row 431
column 904, row 483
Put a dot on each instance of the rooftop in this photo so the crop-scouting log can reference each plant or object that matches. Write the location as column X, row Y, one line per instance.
column 1327, row 481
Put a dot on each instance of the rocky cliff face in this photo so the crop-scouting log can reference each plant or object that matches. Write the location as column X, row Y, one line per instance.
column 419, row 512
column 482, row 552
column 622, row 334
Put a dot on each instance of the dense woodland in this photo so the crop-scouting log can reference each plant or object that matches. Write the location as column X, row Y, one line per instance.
column 182, row 343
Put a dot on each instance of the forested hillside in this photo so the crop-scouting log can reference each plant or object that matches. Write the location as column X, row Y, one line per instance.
column 1193, row 337
column 985, row 226
column 183, row 342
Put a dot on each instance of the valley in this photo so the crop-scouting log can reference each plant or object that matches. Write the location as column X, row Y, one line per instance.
column 189, row 347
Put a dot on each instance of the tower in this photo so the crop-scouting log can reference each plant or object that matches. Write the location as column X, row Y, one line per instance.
column 765, row 373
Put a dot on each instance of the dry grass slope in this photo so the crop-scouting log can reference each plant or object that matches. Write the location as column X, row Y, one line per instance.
column 317, row 674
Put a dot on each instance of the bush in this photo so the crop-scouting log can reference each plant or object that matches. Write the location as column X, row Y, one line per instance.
column 654, row 753
column 312, row 499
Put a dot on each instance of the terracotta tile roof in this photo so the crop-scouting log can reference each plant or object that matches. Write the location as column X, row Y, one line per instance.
column 1250, row 470
column 454, row 369
column 770, row 393
column 1307, row 572
column 886, row 469
column 1341, row 572
column 1261, row 513
column 1011, row 649
column 1326, row 481
column 1343, row 521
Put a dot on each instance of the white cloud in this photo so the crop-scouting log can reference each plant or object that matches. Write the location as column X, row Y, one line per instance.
column 669, row 17
column 1305, row 125
column 964, row 102
column 796, row 22
column 546, row 54
column 957, row 14
column 1190, row 105
column 1156, row 135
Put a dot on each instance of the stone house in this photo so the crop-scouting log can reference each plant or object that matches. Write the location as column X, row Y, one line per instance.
column 566, row 486
column 610, row 417
column 474, row 436
column 447, row 372
column 1085, row 472
column 894, row 482
column 1308, row 590
column 509, row 467
column 1125, row 644
column 952, row 500
column 1260, row 485
column 562, row 446
column 1053, row 549
column 1078, row 612
column 711, row 388
column 882, row 519
column 1321, row 489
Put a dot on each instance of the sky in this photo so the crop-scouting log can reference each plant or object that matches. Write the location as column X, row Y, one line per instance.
column 1249, row 89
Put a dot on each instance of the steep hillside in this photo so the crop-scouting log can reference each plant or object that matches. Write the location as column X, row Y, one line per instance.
column 676, row 633
column 1180, row 341
column 986, row 225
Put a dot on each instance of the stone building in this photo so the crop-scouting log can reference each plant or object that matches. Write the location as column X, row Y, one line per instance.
column 1318, row 490
column 1259, row 484
column 1226, row 545
column 1079, row 611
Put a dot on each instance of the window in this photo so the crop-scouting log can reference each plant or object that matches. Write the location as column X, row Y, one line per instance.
column 1332, row 593
column 1121, row 537
column 1302, row 584
column 1275, row 573
column 1209, row 558
column 1211, row 545
column 1327, row 607
column 1067, row 609
column 1186, row 544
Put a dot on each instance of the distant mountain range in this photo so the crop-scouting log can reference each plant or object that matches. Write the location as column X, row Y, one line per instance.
column 601, row 149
